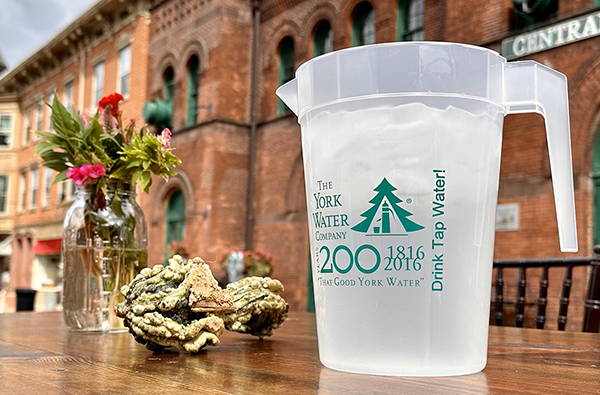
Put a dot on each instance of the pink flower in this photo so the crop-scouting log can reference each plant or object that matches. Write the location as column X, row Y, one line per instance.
column 77, row 175
column 85, row 170
column 96, row 171
column 72, row 172
column 86, row 124
column 165, row 138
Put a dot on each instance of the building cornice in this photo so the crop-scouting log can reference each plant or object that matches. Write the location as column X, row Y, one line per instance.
column 96, row 25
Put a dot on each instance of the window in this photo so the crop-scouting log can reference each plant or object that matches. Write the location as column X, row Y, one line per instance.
column 69, row 94
column 50, row 100
column 3, row 193
column 530, row 12
column 363, row 25
column 169, row 80
column 98, row 83
column 124, row 70
column 47, row 184
column 175, row 218
column 5, row 129
column 286, row 69
column 26, row 126
column 35, row 183
column 62, row 191
column 22, row 191
column 410, row 20
column 39, row 116
column 72, row 189
column 323, row 42
column 192, row 100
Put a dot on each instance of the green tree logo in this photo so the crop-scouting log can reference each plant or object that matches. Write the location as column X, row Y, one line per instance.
column 388, row 202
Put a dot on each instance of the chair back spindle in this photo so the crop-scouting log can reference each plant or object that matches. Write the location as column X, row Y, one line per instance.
column 564, row 298
column 521, row 287
column 499, row 297
column 591, row 307
column 542, row 302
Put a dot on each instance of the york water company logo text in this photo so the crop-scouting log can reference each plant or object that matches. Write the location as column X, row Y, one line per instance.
column 385, row 221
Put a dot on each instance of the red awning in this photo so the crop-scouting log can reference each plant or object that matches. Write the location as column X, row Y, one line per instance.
column 47, row 247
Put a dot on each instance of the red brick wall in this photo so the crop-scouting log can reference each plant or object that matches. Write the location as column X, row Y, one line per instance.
column 281, row 226
column 213, row 179
column 525, row 174
column 219, row 33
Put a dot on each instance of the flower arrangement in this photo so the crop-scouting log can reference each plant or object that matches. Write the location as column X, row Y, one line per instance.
column 92, row 152
column 105, row 241
column 256, row 263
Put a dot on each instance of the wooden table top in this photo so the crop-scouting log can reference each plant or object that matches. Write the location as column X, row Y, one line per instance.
column 39, row 355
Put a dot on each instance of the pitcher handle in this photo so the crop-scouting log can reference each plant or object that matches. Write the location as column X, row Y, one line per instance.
column 530, row 87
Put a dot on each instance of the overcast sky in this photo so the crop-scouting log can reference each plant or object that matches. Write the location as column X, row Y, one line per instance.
column 26, row 25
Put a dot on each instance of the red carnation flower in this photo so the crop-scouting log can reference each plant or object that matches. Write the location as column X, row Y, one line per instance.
column 112, row 101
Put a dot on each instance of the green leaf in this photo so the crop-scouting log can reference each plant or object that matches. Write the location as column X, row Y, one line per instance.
column 136, row 176
column 134, row 163
column 145, row 181
column 61, row 119
column 76, row 118
column 51, row 137
column 44, row 146
column 60, row 177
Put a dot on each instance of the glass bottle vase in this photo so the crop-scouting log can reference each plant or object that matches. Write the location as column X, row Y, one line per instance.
column 104, row 248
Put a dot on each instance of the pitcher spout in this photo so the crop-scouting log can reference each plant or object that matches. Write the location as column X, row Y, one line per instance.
column 288, row 93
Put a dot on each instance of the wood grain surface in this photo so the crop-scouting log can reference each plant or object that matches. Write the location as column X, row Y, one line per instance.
column 39, row 355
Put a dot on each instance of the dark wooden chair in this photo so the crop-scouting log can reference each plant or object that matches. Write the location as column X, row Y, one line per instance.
column 591, row 315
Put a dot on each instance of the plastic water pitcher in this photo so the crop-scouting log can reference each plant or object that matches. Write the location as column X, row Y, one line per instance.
column 401, row 146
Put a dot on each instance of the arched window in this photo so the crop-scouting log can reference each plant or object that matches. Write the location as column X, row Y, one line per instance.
column 192, row 97
column 410, row 20
column 286, row 68
column 323, row 41
column 175, row 217
column 363, row 25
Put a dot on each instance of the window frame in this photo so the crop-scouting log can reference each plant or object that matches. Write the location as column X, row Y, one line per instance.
column 359, row 24
column 4, row 210
column 95, row 85
column 47, row 187
column 22, row 191
column 62, row 191
column 120, row 75
column 11, row 132
column 50, row 100
column 193, row 90
column 34, row 183
column 72, row 189
column 326, row 38
column 403, row 32
column 286, row 52
column 69, row 99
column 175, row 215
column 39, row 117
column 26, row 127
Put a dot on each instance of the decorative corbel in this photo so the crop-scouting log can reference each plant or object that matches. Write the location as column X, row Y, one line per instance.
column 105, row 23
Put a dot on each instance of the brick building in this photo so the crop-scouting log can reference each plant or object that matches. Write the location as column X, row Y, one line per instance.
column 215, row 144
column 101, row 52
column 215, row 89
